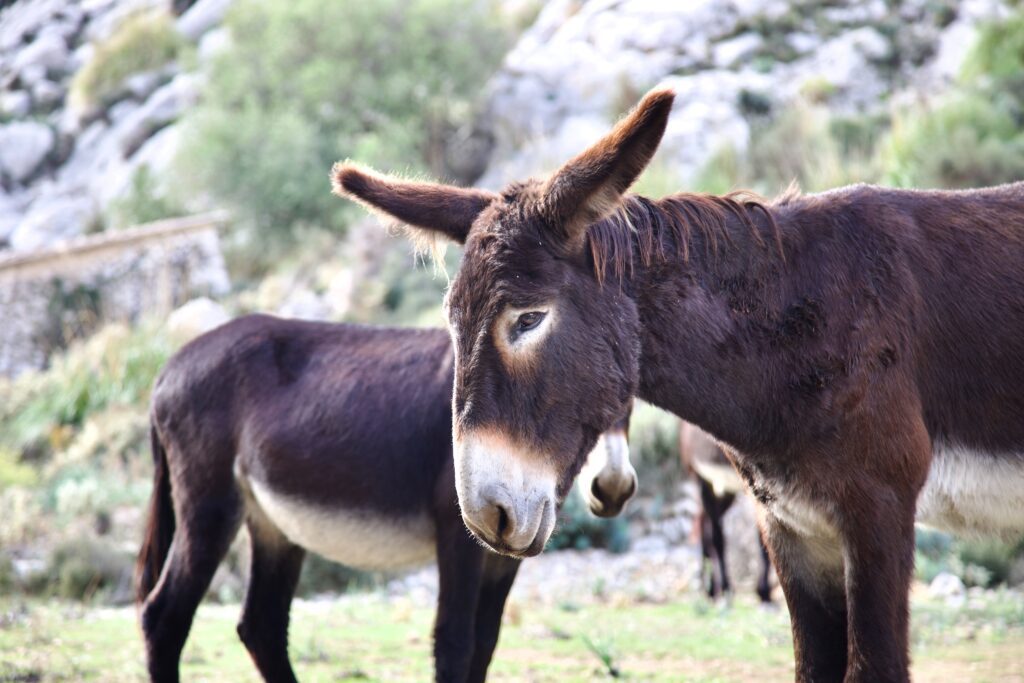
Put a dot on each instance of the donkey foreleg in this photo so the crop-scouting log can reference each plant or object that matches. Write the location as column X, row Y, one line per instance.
column 460, row 562
column 499, row 574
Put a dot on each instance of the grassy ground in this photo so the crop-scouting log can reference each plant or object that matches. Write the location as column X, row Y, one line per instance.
column 370, row 637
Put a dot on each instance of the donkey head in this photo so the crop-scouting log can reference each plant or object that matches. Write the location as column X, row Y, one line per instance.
column 608, row 480
column 546, row 356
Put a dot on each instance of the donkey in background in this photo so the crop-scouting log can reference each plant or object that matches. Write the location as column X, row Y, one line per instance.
column 334, row 439
column 863, row 348
column 719, row 484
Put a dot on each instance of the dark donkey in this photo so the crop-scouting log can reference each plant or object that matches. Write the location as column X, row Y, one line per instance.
column 329, row 438
column 860, row 352
column 719, row 484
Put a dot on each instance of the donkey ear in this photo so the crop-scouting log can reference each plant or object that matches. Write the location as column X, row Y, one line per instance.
column 431, row 207
column 590, row 186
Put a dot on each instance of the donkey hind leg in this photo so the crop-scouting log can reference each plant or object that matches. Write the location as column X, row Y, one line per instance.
column 201, row 541
column 273, row 575
column 499, row 574
column 712, row 539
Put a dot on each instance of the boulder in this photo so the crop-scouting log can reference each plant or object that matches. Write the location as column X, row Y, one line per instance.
column 194, row 318
column 15, row 103
column 48, row 52
column 201, row 17
column 23, row 147
column 51, row 219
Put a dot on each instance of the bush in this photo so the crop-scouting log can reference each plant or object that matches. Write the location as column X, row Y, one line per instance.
column 117, row 366
column 83, row 568
column 144, row 203
column 578, row 529
column 141, row 43
column 969, row 139
column 802, row 143
column 306, row 83
column 974, row 136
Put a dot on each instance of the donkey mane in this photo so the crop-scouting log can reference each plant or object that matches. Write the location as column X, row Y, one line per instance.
column 642, row 227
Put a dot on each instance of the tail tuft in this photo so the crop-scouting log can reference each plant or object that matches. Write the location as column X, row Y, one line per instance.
column 159, row 524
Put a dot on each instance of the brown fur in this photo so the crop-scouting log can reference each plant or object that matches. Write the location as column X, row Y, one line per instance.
column 881, row 324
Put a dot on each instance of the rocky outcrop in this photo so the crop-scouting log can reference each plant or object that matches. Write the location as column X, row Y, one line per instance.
column 582, row 64
column 63, row 162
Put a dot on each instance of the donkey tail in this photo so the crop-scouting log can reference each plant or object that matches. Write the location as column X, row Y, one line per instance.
column 159, row 524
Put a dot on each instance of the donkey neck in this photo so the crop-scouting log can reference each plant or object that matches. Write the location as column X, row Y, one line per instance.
column 688, row 290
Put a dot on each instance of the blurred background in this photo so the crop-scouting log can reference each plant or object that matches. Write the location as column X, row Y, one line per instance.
column 164, row 168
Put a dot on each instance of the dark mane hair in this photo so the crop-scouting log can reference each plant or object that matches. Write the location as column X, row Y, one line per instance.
column 641, row 225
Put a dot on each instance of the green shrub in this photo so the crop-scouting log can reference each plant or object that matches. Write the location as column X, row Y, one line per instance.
column 141, row 43
column 320, row 575
column 143, row 203
column 306, row 83
column 974, row 136
column 117, row 366
column 578, row 529
column 968, row 139
column 82, row 568
column 801, row 143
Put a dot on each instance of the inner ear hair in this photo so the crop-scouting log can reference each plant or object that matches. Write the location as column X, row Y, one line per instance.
column 443, row 210
column 591, row 186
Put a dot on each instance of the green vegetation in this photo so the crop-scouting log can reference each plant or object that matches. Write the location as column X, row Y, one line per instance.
column 141, row 43
column 974, row 135
column 145, row 202
column 306, row 83
column 370, row 637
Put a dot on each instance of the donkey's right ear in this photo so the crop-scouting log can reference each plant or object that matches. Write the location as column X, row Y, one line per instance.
column 431, row 207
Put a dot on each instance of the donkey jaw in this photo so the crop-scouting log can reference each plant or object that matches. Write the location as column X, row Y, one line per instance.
column 608, row 481
column 507, row 494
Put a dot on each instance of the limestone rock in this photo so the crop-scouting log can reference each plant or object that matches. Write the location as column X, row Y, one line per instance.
column 196, row 317
column 52, row 219
column 23, row 147
column 201, row 17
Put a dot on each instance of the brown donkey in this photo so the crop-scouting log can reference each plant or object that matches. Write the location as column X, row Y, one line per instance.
column 330, row 438
column 861, row 353
column 719, row 484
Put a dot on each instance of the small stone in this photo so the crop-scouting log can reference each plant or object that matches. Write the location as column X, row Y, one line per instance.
column 16, row 104
column 23, row 147
column 196, row 317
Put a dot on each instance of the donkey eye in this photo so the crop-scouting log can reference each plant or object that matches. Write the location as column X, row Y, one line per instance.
column 528, row 321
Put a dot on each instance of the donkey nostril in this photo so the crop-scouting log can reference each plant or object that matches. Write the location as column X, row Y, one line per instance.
column 503, row 522
column 595, row 490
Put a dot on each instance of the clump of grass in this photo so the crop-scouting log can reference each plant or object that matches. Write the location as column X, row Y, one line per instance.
column 142, row 42
column 117, row 366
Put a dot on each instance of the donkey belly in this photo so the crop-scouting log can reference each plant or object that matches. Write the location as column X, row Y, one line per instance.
column 973, row 493
column 720, row 475
column 364, row 539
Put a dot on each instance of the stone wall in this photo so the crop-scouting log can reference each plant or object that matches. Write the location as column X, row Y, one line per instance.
column 120, row 276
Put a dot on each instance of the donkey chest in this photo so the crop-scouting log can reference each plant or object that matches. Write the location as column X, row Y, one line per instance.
column 363, row 539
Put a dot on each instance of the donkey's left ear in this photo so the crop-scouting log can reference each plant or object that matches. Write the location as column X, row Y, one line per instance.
column 590, row 186
column 432, row 207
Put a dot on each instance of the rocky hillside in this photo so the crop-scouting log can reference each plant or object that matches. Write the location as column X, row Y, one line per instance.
column 91, row 91
column 584, row 63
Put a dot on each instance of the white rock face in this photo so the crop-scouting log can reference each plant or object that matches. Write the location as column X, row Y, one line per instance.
column 51, row 220
column 584, row 63
column 196, row 317
column 201, row 17
column 23, row 146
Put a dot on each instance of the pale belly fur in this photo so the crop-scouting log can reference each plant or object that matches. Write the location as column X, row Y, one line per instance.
column 356, row 538
column 722, row 477
column 972, row 493
column 967, row 494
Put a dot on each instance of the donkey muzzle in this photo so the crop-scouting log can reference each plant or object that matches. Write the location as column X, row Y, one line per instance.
column 507, row 495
